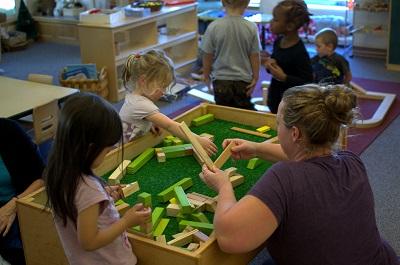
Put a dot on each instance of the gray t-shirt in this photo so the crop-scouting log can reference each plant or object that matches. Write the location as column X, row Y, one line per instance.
column 325, row 210
column 133, row 115
column 232, row 40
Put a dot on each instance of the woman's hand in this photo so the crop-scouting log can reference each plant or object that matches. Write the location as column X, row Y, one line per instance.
column 115, row 192
column 208, row 145
column 137, row 215
column 242, row 149
column 7, row 216
column 214, row 178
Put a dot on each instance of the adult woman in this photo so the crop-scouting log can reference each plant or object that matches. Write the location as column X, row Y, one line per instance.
column 20, row 174
column 315, row 206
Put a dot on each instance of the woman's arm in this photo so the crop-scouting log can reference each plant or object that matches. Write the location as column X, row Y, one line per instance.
column 172, row 126
column 239, row 226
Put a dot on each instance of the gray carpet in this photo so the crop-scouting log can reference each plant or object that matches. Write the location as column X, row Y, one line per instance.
column 381, row 158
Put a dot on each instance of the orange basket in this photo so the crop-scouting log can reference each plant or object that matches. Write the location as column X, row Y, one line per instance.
column 98, row 86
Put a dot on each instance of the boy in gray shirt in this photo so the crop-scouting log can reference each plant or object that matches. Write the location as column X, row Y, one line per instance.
column 231, row 45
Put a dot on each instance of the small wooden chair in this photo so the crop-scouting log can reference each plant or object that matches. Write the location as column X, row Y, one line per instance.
column 44, row 79
column 45, row 120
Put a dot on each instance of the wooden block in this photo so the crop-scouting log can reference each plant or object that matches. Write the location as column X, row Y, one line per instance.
column 196, row 145
column 156, row 216
column 236, row 180
column 231, row 171
column 161, row 157
column 158, row 150
column 118, row 173
column 263, row 129
column 167, row 142
column 161, row 239
column 200, row 237
column 146, row 228
column 203, row 227
column 173, row 210
column 168, row 193
column 180, row 195
column 203, row 119
column 253, row 163
column 198, row 158
column 250, row 132
column 145, row 198
column 200, row 197
column 200, row 217
column 224, row 156
column 177, row 141
column 141, row 160
column 179, row 234
column 193, row 246
column 184, row 239
column 198, row 205
column 122, row 208
column 211, row 206
column 209, row 136
column 159, row 230
column 131, row 188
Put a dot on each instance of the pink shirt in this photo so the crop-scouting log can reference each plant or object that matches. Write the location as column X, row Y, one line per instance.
column 118, row 252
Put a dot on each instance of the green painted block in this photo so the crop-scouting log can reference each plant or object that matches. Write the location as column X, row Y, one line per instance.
column 167, row 142
column 180, row 216
column 156, row 216
column 203, row 227
column 168, row 193
column 180, row 195
column 176, row 147
column 169, row 137
column 203, row 119
column 160, row 227
column 141, row 160
column 200, row 217
column 119, row 202
column 145, row 198
column 177, row 141
column 253, row 163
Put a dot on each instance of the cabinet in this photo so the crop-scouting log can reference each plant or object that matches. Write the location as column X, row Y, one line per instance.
column 173, row 29
column 58, row 29
column 370, row 37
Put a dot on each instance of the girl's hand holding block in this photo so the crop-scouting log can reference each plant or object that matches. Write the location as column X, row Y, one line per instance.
column 137, row 215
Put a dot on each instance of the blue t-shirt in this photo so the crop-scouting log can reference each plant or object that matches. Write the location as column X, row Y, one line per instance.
column 7, row 190
column 325, row 211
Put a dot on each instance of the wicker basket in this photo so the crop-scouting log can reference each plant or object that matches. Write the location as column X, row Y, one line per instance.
column 99, row 87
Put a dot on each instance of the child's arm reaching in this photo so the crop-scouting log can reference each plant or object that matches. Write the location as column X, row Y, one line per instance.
column 92, row 238
column 172, row 126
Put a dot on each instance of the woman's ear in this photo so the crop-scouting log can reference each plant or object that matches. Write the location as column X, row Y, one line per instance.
column 295, row 134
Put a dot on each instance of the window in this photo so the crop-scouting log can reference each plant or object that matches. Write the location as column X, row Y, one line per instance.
column 326, row 2
column 8, row 7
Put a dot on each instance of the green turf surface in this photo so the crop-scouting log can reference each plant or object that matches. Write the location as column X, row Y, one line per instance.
column 154, row 177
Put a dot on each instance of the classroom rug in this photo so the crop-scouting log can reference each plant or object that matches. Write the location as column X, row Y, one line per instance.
column 359, row 138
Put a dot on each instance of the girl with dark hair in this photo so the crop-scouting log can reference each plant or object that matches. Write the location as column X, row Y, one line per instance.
column 289, row 64
column 86, row 219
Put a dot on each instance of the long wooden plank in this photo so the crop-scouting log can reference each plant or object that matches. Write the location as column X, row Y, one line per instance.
column 196, row 145
column 251, row 132
column 224, row 156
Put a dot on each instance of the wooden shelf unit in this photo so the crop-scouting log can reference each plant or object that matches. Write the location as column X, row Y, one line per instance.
column 110, row 44
column 58, row 29
column 371, row 37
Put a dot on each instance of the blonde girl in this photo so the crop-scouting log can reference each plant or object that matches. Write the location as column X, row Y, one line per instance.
column 147, row 77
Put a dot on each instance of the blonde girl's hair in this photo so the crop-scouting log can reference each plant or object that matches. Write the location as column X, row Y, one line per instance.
column 154, row 65
column 319, row 111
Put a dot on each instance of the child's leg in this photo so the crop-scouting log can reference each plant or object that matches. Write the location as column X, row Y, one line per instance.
column 223, row 93
column 240, row 98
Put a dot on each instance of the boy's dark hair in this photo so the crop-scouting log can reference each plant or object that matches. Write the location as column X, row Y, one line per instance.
column 327, row 36
column 296, row 12
column 87, row 124
column 235, row 3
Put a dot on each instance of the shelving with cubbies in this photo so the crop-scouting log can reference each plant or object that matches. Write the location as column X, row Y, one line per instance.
column 173, row 29
column 371, row 35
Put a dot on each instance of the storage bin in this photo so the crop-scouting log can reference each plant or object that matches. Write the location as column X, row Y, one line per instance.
column 99, row 86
